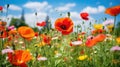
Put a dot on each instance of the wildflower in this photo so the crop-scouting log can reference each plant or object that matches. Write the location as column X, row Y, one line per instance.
column 108, row 22
column 19, row 58
column 46, row 39
column 26, row 32
column 95, row 40
column 40, row 44
column 42, row 24
column 41, row 58
column 12, row 32
column 113, row 11
column 84, row 16
column 97, row 31
column 100, row 37
column 11, row 27
column 90, row 43
column 76, row 43
column 83, row 57
column 118, row 40
column 4, row 51
column 98, row 26
column 110, row 27
column 1, row 8
column 65, row 25
column 115, row 48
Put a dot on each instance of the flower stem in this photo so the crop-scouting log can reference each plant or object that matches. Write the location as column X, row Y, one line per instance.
column 114, row 24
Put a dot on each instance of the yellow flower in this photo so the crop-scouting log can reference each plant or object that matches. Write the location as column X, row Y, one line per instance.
column 40, row 44
column 98, row 26
column 83, row 57
column 110, row 27
column 118, row 40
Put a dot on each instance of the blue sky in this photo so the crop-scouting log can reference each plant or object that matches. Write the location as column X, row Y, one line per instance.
column 54, row 8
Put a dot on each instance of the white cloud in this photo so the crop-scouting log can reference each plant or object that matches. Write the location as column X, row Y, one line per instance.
column 65, row 7
column 94, row 10
column 38, row 5
column 31, row 19
column 75, row 16
column 14, row 7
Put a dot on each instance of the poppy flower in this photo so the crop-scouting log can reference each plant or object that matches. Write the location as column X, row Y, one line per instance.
column 92, row 42
column 19, row 58
column 113, row 11
column 84, row 16
column 1, row 8
column 97, row 31
column 46, row 39
column 42, row 24
column 2, row 23
column 26, row 32
column 4, row 34
column 65, row 25
column 100, row 38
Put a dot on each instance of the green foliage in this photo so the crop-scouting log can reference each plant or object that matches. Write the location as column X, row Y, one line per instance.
column 118, row 29
column 17, row 22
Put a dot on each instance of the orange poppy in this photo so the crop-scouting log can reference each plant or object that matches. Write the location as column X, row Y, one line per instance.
column 113, row 11
column 65, row 25
column 19, row 58
column 99, row 37
column 46, row 39
column 12, row 32
column 26, row 32
column 2, row 23
column 92, row 42
column 98, row 31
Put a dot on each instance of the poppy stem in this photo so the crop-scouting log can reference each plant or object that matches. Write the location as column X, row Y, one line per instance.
column 114, row 24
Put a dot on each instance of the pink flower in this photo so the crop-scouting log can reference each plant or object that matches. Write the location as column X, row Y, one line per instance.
column 41, row 58
column 115, row 48
column 108, row 22
column 11, row 27
column 75, row 43
column 4, row 51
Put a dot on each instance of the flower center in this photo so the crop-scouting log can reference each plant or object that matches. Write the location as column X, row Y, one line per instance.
column 63, row 27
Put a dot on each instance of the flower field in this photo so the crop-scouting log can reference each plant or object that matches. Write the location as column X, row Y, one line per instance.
column 65, row 45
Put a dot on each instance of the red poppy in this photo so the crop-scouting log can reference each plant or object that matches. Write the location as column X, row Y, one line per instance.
column 113, row 11
column 36, row 34
column 46, row 39
column 1, row 8
column 65, row 25
column 19, row 58
column 42, row 24
column 84, row 16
